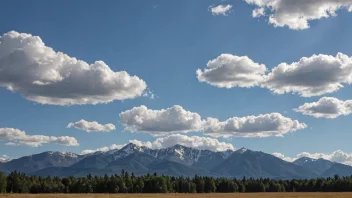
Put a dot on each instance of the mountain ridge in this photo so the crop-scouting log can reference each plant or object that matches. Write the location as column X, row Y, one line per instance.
column 176, row 160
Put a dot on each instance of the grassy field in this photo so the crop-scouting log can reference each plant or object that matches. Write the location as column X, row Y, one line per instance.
column 247, row 195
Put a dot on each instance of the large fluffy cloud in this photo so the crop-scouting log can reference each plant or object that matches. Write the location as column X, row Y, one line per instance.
column 311, row 76
column 91, row 126
column 176, row 119
column 45, row 76
column 232, row 71
column 336, row 156
column 160, row 122
column 220, row 9
column 18, row 137
column 296, row 14
column 326, row 107
column 202, row 143
column 263, row 125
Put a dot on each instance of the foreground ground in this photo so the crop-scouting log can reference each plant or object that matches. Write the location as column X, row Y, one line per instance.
column 214, row 195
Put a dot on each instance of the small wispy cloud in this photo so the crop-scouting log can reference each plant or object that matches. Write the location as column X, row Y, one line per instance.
column 220, row 9
column 91, row 126
column 148, row 93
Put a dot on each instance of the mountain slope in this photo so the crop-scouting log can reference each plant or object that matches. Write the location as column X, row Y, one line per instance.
column 258, row 164
column 318, row 166
column 338, row 169
column 323, row 167
column 40, row 161
column 136, row 162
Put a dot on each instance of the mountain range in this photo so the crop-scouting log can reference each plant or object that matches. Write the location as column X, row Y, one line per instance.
column 175, row 161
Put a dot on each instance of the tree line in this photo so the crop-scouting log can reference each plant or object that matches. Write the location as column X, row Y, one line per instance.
column 17, row 182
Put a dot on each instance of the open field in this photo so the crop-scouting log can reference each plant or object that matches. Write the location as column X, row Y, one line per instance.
column 213, row 195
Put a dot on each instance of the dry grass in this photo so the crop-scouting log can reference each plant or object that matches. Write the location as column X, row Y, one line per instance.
column 236, row 195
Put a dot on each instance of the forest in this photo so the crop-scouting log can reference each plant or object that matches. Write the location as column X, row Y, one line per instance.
column 17, row 182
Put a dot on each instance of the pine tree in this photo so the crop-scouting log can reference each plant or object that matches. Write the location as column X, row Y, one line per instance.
column 3, row 182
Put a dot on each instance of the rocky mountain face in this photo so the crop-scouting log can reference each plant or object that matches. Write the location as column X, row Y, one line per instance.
column 175, row 161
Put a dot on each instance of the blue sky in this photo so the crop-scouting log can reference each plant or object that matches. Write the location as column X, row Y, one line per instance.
column 164, row 43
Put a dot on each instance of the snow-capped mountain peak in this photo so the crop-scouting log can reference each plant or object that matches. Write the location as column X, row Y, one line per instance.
column 177, row 153
column 303, row 160
column 242, row 150
column 62, row 154
column 131, row 148
column 227, row 153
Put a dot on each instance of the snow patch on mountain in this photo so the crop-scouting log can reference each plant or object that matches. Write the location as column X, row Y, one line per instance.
column 242, row 150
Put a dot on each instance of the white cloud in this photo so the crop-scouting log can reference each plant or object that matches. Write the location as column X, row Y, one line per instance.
column 176, row 119
column 91, row 126
column 326, row 107
column 263, row 125
column 11, row 144
column 296, row 14
column 311, row 76
column 220, row 9
column 160, row 122
column 103, row 149
column 202, row 143
column 44, row 76
column 18, row 137
column 336, row 156
column 149, row 94
column 283, row 157
column 227, row 71
column 258, row 12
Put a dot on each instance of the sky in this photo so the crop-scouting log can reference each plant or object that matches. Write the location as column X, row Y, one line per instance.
column 268, row 75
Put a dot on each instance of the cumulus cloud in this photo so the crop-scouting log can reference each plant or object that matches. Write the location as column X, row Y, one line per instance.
column 263, row 125
column 220, row 9
column 45, row 76
column 202, row 143
column 298, row 13
column 326, row 107
column 103, row 149
column 336, row 156
column 91, row 126
column 227, row 71
column 18, row 137
column 176, row 119
column 311, row 76
column 160, row 122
